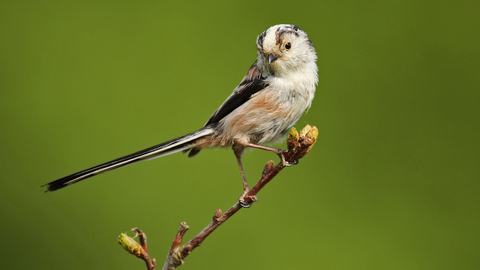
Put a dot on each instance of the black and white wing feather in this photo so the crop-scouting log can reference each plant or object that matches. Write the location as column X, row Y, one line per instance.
column 252, row 83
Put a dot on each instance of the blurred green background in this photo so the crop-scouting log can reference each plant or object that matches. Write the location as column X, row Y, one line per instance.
column 393, row 182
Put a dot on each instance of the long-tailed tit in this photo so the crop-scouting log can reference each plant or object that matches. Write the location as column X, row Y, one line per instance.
column 275, row 92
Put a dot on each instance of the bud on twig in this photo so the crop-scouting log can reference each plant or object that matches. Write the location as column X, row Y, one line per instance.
column 130, row 245
column 292, row 139
column 140, row 250
column 308, row 137
column 268, row 167
column 218, row 214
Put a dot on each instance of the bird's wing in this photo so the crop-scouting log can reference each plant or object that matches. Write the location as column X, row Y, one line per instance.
column 251, row 84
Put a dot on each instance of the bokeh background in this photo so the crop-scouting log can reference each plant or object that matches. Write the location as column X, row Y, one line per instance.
column 393, row 182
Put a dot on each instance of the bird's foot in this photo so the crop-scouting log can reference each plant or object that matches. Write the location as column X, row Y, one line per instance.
column 247, row 200
column 281, row 155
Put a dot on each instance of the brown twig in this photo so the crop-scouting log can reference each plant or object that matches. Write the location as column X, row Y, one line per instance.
column 174, row 256
column 298, row 146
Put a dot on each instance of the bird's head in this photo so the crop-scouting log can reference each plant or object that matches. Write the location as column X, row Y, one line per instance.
column 284, row 48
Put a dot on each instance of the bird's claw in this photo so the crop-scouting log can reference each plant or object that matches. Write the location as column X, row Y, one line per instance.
column 247, row 201
column 282, row 159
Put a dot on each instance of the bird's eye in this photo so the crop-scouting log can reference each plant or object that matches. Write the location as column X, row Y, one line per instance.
column 287, row 45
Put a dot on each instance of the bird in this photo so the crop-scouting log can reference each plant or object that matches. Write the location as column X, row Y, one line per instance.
column 276, row 91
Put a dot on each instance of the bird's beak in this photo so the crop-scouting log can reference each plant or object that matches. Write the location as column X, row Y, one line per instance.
column 272, row 58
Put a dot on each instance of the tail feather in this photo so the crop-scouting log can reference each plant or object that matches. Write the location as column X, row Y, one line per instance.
column 179, row 144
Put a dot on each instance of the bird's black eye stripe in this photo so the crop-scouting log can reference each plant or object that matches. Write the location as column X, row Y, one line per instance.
column 287, row 45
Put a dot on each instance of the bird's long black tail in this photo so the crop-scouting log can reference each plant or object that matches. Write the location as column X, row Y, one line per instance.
column 163, row 149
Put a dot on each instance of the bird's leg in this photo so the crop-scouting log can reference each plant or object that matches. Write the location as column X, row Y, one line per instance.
column 238, row 154
column 246, row 188
column 279, row 152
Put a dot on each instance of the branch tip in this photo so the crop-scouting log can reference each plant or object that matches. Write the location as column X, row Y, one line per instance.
column 308, row 137
column 179, row 237
column 292, row 138
column 130, row 245
column 305, row 129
